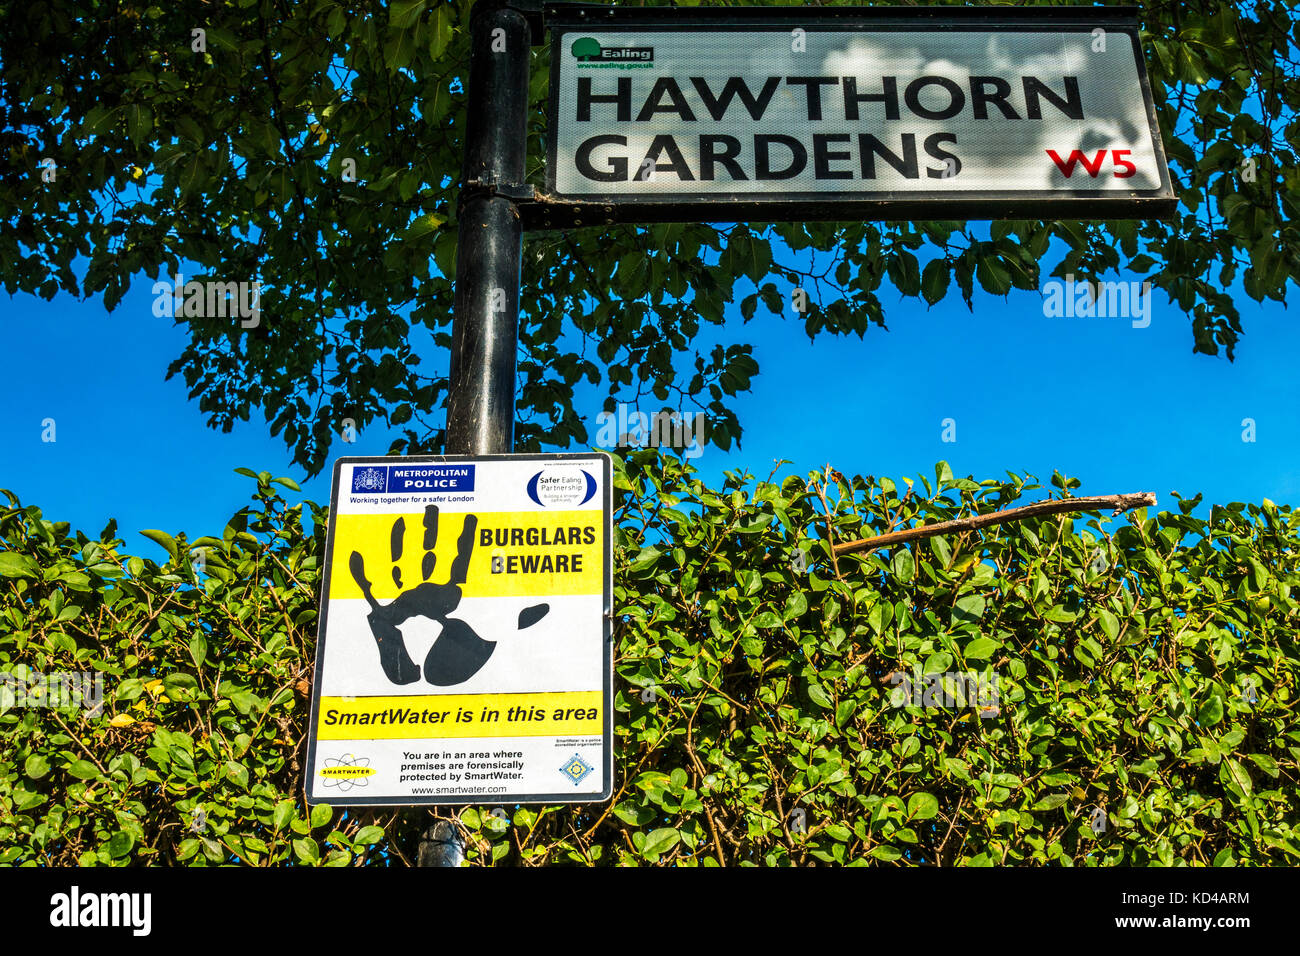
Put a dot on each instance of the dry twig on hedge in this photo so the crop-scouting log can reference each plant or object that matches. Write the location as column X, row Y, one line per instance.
column 1119, row 503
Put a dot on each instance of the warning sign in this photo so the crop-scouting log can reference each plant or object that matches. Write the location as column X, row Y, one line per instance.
column 464, row 652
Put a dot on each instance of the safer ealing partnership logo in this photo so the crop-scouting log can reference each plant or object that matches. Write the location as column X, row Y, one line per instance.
column 458, row 653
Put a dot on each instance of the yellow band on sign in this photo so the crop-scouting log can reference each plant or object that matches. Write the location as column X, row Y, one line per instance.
column 441, row 716
column 510, row 554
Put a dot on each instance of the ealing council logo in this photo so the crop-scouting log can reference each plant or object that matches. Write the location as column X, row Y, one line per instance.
column 588, row 52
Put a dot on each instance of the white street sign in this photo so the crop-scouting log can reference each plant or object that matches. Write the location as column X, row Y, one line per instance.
column 797, row 109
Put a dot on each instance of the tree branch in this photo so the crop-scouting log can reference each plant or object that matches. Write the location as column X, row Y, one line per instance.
column 1056, row 506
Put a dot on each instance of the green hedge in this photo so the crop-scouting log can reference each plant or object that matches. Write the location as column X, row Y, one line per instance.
column 1146, row 665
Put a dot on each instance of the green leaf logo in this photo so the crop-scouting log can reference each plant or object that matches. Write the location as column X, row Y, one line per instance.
column 585, row 49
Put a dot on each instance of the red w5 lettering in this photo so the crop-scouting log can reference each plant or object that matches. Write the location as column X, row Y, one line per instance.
column 1093, row 166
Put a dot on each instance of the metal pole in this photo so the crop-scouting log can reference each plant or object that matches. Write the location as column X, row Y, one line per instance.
column 485, row 320
column 441, row 845
column 485, row 325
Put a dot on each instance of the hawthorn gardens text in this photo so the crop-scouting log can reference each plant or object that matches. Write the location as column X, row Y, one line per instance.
column 801, row 149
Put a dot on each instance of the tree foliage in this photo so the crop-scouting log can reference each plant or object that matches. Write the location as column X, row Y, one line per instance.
column 233, row 158
column 1147, row 666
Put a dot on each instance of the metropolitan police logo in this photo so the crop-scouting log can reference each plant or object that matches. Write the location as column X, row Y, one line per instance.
column 576, row 769
column 368, row 479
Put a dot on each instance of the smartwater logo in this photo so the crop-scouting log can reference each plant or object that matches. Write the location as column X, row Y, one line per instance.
column 76, row 909
column 588, row 52
column 396, row 479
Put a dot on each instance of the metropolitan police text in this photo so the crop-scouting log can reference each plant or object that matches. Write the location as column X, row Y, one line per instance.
column 598, row 158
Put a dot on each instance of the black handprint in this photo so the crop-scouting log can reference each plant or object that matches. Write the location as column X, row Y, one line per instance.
column 458, row 652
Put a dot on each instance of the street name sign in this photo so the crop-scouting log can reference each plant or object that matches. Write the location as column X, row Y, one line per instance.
column 781, row 113
column 464, row 650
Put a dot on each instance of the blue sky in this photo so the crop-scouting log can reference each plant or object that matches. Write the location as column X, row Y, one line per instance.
column 1123, row 409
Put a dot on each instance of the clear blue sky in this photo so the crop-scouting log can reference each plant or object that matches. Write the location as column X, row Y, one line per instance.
column 1123, row 409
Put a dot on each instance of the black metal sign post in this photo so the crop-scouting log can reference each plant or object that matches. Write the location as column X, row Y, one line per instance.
column 485, row 321
column 481, row 403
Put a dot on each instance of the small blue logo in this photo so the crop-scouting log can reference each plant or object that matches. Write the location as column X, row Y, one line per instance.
column 576, row 769
column 372, row 480
column 399, row 479
column 561, row 489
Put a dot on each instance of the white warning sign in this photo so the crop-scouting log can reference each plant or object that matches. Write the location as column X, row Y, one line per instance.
column 464, row 652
